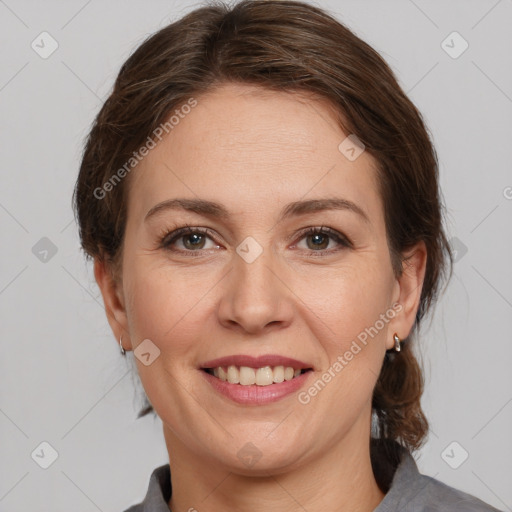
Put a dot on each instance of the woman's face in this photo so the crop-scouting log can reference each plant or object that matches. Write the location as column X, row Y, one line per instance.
column 257, row 284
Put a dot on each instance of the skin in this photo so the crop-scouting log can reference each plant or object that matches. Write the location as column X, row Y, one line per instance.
column 254, row 151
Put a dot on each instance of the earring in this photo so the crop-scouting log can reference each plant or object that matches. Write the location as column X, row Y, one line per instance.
column 397, row 342
column 123, row 351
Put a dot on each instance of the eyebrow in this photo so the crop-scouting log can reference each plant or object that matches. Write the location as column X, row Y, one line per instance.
column 216, row 210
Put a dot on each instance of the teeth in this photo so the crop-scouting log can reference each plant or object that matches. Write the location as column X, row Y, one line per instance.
column 278, row 374
column 247, row 376
column 233, row 375
column 264, row 376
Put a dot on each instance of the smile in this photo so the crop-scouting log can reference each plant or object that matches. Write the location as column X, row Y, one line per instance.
column 263, row 376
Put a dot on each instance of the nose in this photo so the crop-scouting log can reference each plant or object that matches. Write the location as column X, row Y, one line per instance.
column 256, row 297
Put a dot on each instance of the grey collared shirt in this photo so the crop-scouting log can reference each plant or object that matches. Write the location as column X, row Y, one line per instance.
column 410, row 491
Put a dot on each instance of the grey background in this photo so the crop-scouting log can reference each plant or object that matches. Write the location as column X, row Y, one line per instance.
column 63, row 379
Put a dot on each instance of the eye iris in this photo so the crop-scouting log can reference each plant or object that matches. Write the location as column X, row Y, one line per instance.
column 323, row 239
column 197, row 238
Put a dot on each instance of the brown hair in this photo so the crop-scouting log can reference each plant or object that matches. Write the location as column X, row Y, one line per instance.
column 284, row 46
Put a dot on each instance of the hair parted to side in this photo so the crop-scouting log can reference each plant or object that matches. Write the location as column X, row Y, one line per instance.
column 291, row 46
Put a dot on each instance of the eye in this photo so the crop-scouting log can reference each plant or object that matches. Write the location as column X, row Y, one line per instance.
column 194, row 240
column 191, row 239
column 318, row 239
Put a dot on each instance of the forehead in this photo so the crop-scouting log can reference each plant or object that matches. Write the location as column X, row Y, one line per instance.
column 241, row 145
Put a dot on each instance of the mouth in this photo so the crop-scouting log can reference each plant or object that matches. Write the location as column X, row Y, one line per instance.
column 259, row 376
column 252, row 381
column 264, row 370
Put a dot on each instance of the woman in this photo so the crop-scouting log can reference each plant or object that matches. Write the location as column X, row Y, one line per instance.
column 261, row 202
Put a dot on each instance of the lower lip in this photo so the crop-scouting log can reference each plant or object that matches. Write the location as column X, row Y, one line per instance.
column 256, row 395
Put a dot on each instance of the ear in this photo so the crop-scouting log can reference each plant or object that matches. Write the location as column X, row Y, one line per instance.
column 112, row 292
column 408, row 292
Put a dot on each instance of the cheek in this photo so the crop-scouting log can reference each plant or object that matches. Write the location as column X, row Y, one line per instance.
column 351, row 326
column 160, row 302
column 163, row 309
column 345, row 302
column 352, row 334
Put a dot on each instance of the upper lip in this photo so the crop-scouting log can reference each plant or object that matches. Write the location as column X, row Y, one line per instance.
column 256, row 362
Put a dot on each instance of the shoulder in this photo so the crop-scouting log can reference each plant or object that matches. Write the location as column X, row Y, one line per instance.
column 411, row 491
column 435, row 495
column 158, row 493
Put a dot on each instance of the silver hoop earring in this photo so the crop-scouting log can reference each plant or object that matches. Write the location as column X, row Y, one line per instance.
column 397, row 342
column 123, row 351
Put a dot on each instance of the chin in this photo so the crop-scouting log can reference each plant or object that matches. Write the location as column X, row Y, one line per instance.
column 263, row 467
column 260, row 457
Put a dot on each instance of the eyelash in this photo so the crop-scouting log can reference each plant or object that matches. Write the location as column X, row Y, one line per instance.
column 169, row 237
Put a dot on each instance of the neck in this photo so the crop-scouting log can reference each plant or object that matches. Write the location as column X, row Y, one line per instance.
column 340, row 479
